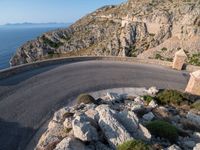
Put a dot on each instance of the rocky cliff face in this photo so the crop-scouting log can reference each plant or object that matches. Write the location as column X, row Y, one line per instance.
column 146, row 29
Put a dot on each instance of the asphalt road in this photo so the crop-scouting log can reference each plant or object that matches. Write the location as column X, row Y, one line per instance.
column 28, row 99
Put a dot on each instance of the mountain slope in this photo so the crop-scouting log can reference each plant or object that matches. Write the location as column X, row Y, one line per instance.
column 146, row 29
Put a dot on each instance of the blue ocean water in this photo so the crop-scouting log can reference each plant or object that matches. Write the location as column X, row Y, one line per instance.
column 12, row 37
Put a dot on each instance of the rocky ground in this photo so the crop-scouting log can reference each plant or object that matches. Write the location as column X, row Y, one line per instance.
column 166, row 120
column 146, row 29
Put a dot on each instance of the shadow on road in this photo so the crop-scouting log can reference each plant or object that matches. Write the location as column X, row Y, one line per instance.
column 13, row 136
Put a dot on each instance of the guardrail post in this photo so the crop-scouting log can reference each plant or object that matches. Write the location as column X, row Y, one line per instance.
column 179, row 60
column 193, row 86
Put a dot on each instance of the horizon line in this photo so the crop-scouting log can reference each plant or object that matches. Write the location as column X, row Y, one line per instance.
column 22, row 23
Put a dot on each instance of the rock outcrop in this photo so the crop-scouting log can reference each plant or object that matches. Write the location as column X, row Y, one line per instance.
column 112, row 121
column 83, row 129
column 147, row 29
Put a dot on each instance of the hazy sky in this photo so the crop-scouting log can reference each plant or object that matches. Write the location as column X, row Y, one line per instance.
column 41, row 11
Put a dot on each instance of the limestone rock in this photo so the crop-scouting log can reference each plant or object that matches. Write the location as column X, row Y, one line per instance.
column 193, row 118
column 113, row 96
column 133, row 105
column 83, row 129
column 149, row 116
column 131, row 122
column 196, row 135
column 101, row 146
column 139, row 100
column 189, row 144
column 92, row 113
column 70, row 144
column 161, row 112
column 136, row 107
column 173, row 147
column 60, row 115
column 68, row 122
column 52, row 136
column 153, row 104
column 197, row 147
column 114, row 132
column 152, row 91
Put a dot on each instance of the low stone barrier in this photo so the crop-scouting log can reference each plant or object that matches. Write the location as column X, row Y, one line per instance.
column 26, row 67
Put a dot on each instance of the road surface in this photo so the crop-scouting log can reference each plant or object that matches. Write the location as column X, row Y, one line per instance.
column 28, row 99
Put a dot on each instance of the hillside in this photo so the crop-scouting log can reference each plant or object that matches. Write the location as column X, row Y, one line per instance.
column 146, row 29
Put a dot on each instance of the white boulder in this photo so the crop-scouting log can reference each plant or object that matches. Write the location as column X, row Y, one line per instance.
column 197, row 147
column 152, row 91
column 153, row 104
column 131, row 122
column 113, row 96
column 70, row 144
column 139, row 100
column 114, row 132
column 136, row 107
column 83, row 129
column 173, row 147
column 52, row 136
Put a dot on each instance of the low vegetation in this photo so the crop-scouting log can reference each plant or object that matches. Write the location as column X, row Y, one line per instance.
column 86, row 99
column 52, row 54
column 160, row 57
column 196, row 105
column 67, row 130
column 134, row 145
column 170, row 97
column 152, row 34
column 133, row 51
column 51, row 43
column 194, row 59
column 147, row 98
column 164, row 49
column 163, row 129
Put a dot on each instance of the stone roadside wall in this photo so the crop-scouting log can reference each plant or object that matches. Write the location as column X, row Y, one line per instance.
column 26, row 67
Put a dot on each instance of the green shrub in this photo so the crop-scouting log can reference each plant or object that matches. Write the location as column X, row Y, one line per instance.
column 152, row 34
column 194, row 59
column 132, row 51
column 163, row 129
column 147, row 98
column 134, row 145
column 170, row 97
column 86, row 99
column 51, row 43
column 196, row 105
column 158, row 56
column 164, row 49
column 52, row 54
column 67, row 130
column 169, row 59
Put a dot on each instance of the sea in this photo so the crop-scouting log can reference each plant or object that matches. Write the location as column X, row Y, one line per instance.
column 13, row 36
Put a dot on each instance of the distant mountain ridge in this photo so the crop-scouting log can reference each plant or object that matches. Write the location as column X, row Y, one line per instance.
column 27, row 24
column 145, row 29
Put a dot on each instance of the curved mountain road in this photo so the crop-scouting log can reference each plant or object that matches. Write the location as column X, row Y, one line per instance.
column 28, row 99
